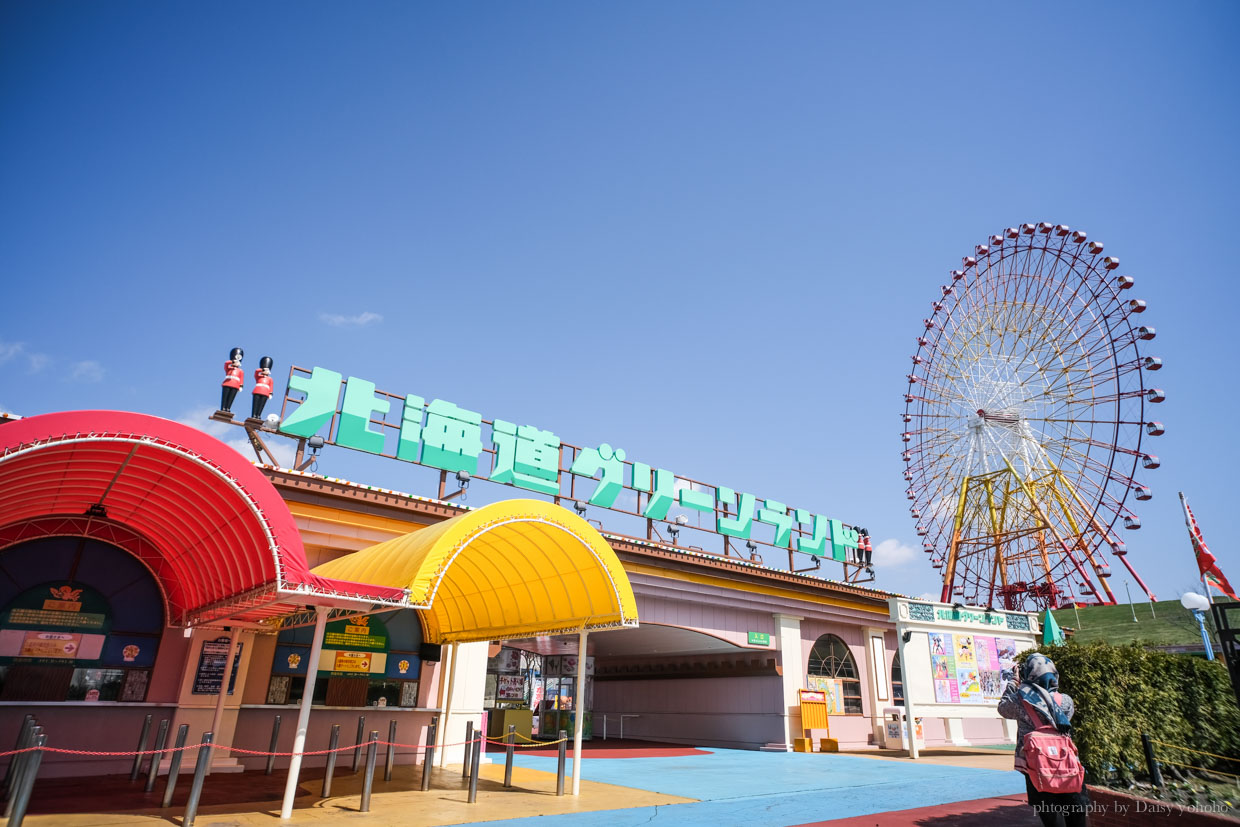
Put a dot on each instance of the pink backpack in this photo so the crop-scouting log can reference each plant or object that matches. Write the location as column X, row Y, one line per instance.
column 1051, row 759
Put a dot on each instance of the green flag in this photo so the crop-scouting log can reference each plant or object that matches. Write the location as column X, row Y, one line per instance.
column 1050, row 630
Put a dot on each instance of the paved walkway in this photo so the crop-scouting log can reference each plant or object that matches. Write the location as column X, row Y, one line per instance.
column 707, row 787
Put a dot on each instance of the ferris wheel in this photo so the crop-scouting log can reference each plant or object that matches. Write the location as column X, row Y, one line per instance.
column 1024, row 419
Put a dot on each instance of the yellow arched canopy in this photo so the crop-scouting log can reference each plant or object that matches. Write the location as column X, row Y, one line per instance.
column 513, row 569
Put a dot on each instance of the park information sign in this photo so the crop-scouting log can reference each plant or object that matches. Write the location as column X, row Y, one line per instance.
column 352, row 413
column 956, row 660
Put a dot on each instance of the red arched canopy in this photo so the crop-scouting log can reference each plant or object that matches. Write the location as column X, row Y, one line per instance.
column 210, row 526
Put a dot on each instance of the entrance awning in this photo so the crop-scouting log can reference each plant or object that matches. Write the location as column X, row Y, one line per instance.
column 213, row 531
column 513, row 569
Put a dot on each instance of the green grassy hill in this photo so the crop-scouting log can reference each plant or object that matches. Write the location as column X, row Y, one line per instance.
column 1169, row 624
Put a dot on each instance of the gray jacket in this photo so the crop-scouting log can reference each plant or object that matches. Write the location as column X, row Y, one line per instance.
column 1011, row 706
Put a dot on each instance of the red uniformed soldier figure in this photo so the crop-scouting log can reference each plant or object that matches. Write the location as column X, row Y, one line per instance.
column 262, row 386
column 234, row 377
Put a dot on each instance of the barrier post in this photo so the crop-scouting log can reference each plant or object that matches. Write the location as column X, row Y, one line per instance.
column 19, row 765
column 467, row 753
column 161, row 740
column 361, row 733
column 391, row 751
column 21, row 798
column 22, row 734
column 200, row 774
column 559, row 773
column 137, row 759
column 510, row 739
column 372, row 754
column 428, row 757
column 331, row 761
column 1151, row 761
column 275, row 737
column 174, row 768
column 473, row 767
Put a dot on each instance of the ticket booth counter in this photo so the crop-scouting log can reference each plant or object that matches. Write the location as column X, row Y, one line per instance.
column 536, row 693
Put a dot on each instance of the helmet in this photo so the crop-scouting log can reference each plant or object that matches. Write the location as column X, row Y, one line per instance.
column 266, row 362
column 236, row 353
column 1040, row 670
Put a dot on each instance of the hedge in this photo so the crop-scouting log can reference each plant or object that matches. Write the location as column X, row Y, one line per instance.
column 1122, row 691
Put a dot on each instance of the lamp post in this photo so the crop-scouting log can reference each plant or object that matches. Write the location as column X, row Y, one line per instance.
column 1197, row 604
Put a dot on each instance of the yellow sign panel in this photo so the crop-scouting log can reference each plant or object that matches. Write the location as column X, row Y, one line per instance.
column 352, row 661
column 50, row 645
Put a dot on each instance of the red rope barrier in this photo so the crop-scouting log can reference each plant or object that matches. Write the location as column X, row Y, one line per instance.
column 131, row 753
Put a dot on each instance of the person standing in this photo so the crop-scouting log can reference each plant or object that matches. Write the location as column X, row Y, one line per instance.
column 1036, row 702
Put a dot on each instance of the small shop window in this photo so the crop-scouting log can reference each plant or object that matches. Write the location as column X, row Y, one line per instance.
column 367, row 660
column 288, row 689
column 830, row 659
column 897, row 681
column 90, row 634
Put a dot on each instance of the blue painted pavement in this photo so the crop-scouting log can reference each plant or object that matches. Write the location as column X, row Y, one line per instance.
column 776, row 789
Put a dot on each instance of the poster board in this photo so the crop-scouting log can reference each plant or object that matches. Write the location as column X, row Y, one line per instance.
column 832, row 689
column 956, row 660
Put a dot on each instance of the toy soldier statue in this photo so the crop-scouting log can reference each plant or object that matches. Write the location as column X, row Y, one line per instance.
column 234, row 377
column 262, row 386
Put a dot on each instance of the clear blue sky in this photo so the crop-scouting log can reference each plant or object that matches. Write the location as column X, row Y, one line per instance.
column 704, row 232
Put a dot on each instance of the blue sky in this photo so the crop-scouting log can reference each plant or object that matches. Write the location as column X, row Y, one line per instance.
column 704, row 232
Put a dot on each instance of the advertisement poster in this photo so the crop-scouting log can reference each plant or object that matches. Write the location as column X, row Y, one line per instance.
column 210, row 672
column 943, row 668
column 510, row 688
column 988, row 667
column 508, row 660
column 969, row 669
column 1006, row 648
column 832, row 689
column 965, row 652
column 970, row 686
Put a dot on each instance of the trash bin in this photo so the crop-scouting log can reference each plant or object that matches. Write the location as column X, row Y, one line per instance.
column 895, row 729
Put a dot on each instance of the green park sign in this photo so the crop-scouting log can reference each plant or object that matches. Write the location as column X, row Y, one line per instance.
column 443, row 435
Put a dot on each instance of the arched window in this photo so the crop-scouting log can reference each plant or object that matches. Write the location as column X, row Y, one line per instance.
column 897, row 681
column 830, row 658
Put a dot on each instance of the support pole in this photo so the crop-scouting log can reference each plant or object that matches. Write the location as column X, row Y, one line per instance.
column 225, row 679
column 21, row 797
column 578, row 711
column 21, row 768
column 174, row 768
column 331, row 761
column 275, row 739
column 1151, row 761
column 368, row 783
column 476, row 752
column 559, row 773
column 447, row 705
column 468, row 752
column 908, row 695
column 22, row 734
column 15, row 763
column 303, row 714
column 137, row 759
column 391, row 751
column 510, row 739
column 200, row 774
column 161, row 740
column 428, row 759
column 361, row 733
